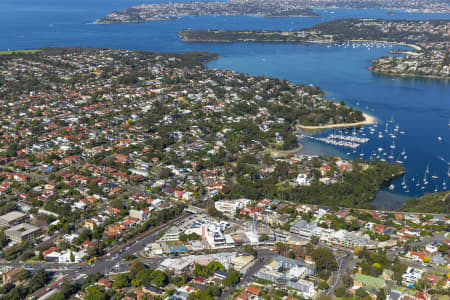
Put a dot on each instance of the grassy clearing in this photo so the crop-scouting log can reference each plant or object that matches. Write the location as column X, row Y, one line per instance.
column 19, row 51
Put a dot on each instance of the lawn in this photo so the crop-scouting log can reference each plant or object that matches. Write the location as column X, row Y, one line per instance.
column 174, row 243
column 19, row 51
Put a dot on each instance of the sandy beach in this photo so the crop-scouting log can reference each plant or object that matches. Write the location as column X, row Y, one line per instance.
column 368, row 119
column 285, row 153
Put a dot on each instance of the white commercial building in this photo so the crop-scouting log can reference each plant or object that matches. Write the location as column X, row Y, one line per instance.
column 229, row 207
column 242, row 263
column 65, row 257
column 345, row 238
column 176, row 265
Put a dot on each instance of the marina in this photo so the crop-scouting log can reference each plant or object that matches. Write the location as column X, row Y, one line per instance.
column 369, row 143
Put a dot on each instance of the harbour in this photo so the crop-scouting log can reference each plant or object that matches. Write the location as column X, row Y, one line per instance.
column 367, row 143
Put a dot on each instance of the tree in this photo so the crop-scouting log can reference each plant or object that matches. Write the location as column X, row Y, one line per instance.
column 357, row 251
column 159, row 278
column 426, row 259
column 144, row 276
column 215, row 265
column 381, row 295
column 200, row 295
column 39, row 279
column 65, row 292
column 27, row 255
column 215, row 291
column 361, row 293
column 347, row 280
column 95, row 294
column 12, row 150
column 180, row 280
column 250, row 250
column 376, row 265
column 135, row 268
column 203, row 271
column 120, row 281
column 384, row 237
column 443, row 248
column 23, row 275
column 398, row 269
column 72, row 257
column 232, row 278
column 117, row 203
column 263, row 237
column 135, row 283
column 213, row 212
column 324, row 259
column 323, row 285
column 340, row 292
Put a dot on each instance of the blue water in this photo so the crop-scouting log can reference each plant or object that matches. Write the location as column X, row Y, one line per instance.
column 420, row 107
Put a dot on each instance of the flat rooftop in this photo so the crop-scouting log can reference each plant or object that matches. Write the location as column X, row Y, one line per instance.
column 22, row 229
column 11, row 216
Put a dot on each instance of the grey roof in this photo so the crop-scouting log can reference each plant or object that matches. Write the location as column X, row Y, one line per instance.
column 221, row 273
column 300, row 224
column 394, row 295
column 11, row 216
column 296, row 262
column 22, row 229
column 154, row 289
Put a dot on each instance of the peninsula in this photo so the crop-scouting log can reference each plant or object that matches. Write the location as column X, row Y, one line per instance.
column 141, row 174
column 429, row 39
column 267, row 8
column 139, row 118
column 174, row 10
column 368, row 119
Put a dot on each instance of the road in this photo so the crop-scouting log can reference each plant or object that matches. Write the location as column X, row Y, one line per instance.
column 435, row 237
column 336, row 277
column 391, row 253
column 262, row 258
column 428, row 267
column 104, row 264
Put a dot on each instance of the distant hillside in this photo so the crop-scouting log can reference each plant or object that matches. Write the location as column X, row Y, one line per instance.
column 336, row 31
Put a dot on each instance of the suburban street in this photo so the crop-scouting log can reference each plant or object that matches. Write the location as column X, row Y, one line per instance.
column 104, row 264
column 263, row 256
column 336, row 277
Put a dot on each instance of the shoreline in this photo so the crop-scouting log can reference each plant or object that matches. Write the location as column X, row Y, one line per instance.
column 188, row 40
column 368, row 120
column 412, row 76
column 285, row 153
column 107, row 22
column 393, row 43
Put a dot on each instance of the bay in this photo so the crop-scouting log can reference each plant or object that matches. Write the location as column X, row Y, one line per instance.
column 420, row 107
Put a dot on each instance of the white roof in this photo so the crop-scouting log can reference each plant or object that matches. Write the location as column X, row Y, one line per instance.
column 252, row 237
column 228, row 239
